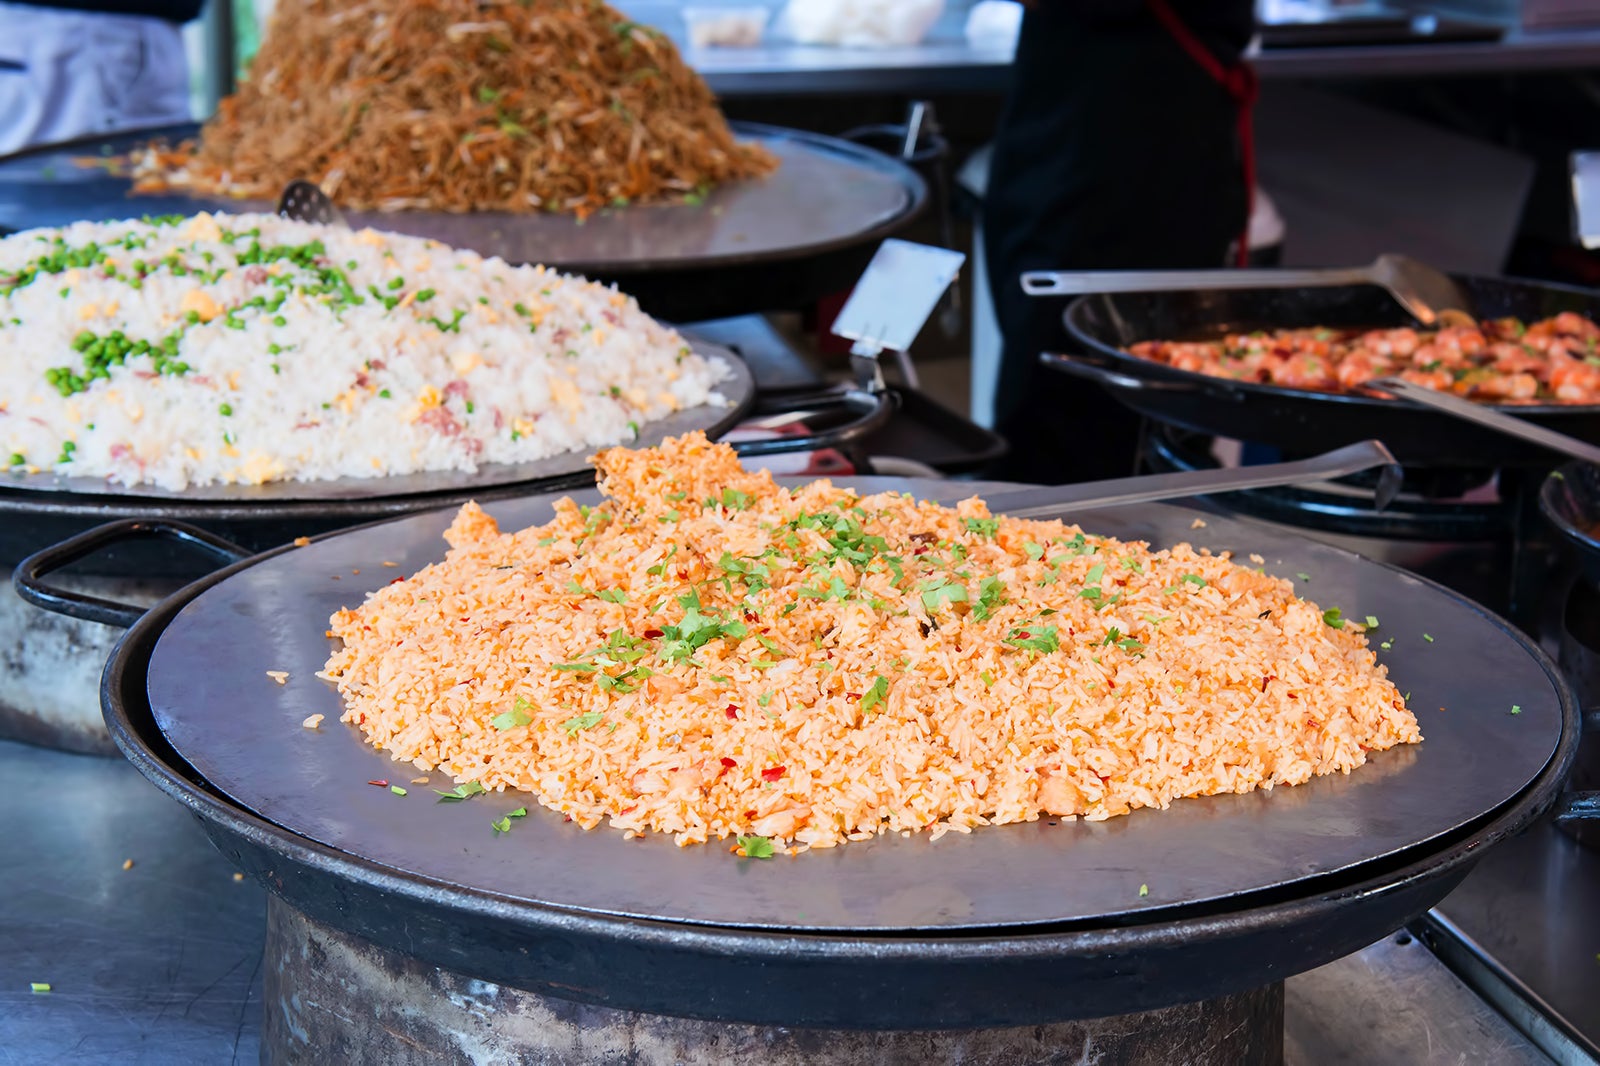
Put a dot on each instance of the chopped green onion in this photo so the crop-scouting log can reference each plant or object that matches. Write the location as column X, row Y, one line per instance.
column 1334, row 617
column 460, row 792
column 755, row 847
column 397, row 790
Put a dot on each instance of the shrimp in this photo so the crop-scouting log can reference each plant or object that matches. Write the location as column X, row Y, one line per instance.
column 1400, row 342
column 1431, row 379
column 1506, row 386
column 1514, row 358
column 1059, row 796
column 1360, row 367
column 1304, row 372
column 1575, row 381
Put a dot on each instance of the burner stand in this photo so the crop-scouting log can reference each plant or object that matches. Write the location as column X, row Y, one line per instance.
column 332, row 997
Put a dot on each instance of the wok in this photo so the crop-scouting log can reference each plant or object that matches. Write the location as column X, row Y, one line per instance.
column 1300, row 421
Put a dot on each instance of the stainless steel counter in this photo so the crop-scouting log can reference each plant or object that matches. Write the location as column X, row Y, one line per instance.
column 160, row 963
column 946, row 63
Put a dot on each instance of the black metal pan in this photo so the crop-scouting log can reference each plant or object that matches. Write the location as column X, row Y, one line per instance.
column 1300, row 421
column 1011, row 925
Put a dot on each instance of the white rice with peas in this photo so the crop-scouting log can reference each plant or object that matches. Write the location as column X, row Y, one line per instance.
column 249, row 348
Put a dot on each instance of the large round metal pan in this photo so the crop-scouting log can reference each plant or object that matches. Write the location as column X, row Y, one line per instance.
column 1298, row 420
column 1278, row 881
column 772, row 243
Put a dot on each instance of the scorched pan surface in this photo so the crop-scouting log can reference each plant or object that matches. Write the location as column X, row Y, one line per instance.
column 211, row 697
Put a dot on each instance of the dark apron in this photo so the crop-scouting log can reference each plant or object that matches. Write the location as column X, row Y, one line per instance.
column 1118, row 150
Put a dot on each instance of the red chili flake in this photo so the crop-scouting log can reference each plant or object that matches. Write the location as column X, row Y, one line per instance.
column 772, row 773
column 629, row 810
column 729, row 763
column 1263, row 682
column 920, row 551
column 397, row 581
column 731, row 711
column 1292, row 696
column 381, row 783
column 852, row 695
column 749, row 815
column 652, row 634
column 749, row 616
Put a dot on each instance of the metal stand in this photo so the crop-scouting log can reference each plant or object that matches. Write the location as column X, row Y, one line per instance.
column 331, row 997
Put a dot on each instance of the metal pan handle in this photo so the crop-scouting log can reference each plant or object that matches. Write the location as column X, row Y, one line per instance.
column 1577, row 808
column 28, row 578
column 1088, row 368
column 872, row 410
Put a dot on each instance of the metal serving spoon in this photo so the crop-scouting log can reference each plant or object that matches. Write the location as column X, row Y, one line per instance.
column 1091, row 495
column 304, row 202
column 1423, row 291
column 1487, row 417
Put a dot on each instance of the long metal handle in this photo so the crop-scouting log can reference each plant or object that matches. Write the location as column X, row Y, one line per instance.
column 872, row 410
column 1090, row 495
column 1488, row 418
column 28, row 578
column 1079, row 283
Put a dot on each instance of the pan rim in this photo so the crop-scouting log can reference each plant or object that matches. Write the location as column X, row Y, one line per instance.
column 1438, row 853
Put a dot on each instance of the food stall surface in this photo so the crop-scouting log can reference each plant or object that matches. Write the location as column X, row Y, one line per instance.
column 160, row 962
column 947, row 62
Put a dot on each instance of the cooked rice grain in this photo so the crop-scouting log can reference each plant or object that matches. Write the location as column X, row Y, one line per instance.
column 855, row 665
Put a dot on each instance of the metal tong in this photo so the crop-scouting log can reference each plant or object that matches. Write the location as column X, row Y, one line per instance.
column 1091, row 495
column 1488, row 418
column 1423, row 291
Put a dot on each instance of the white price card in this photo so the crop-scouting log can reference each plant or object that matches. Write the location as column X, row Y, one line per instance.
column 899, row 290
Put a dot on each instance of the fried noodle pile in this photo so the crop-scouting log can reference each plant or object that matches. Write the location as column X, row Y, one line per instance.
column 460, row 105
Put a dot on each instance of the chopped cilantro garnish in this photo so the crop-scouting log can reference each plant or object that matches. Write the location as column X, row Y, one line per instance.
column 735, row 500
column 1096, row 572
column 1516, row 708
column 1144, row 890
column 582, row 721
column 613, row 595
column 986, row 527
column 878, row 693
column 938, row 590
column 1194, row 579
column 1034, row 551
column 516, row 716
column 460, row 792
column 755, row 847
column 991, row 594
column 1035, row 638
column 502, row 825
column 765, row 698
column 1303, row 576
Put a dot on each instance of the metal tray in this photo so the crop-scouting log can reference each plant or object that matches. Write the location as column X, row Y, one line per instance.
column 213, row 702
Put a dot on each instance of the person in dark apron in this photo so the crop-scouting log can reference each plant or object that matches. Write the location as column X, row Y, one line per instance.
column 1124, row 145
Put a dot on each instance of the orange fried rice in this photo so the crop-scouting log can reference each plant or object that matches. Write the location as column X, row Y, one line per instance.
column 711, row 655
